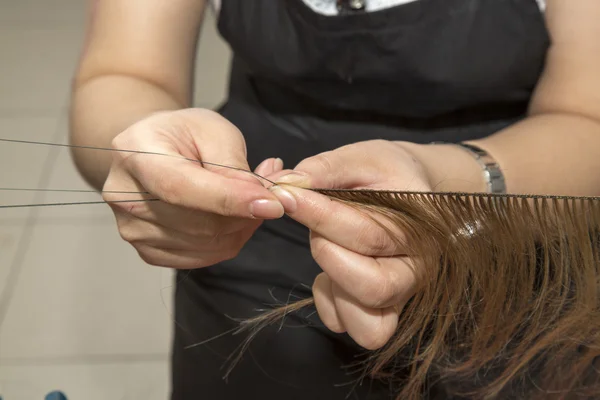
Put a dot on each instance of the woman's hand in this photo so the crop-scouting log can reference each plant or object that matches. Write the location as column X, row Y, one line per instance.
column 206, row 213
column 367, row 279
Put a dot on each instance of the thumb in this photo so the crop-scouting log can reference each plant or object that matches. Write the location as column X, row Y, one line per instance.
column 179, row 181
column 343, row 168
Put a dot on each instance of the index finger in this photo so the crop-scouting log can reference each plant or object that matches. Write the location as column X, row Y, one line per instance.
column 187, row 184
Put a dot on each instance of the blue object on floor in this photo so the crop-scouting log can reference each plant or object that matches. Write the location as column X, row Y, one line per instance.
column 55, row 396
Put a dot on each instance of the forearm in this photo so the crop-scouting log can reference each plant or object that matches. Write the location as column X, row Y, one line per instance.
column 549, row 154
column 102, row 108
column 543, row 154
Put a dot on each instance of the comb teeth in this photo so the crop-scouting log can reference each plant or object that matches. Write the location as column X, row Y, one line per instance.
column 350, row 192
column 508, row 299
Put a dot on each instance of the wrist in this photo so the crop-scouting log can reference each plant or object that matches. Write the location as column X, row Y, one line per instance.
column 448, row 168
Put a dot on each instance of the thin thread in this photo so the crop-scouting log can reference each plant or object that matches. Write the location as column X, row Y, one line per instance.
column 16, row 265
column 68, row 191
column 77, row 204
column 72, row 146
column 322, row 191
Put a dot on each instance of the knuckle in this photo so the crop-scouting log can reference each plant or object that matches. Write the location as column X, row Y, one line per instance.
column 148, row 257
column 118, row 142
column 107, row 196
column 372, row 240
column 320, row 250
column 128, row 234
column 124, row 141
column 197, row 230
column 320, row 219
column 235, row 246
column 226, row 203
column 373, row 340
column 109, row 187
column 321, row 281
column 211, row 123
column 377, row 291
column 320, row 216
column 127, row 230
column 324, row 162
column 168, row 189
column 232, row 252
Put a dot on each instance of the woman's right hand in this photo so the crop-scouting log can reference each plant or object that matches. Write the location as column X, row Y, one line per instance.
column 205, row 214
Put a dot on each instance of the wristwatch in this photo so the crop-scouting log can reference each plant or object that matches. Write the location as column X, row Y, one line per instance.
column 491, row 170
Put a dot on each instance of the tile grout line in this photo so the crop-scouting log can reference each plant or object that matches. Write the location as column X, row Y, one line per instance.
column 16, row 265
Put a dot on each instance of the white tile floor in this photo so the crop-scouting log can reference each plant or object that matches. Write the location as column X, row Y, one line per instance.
column 79, row 312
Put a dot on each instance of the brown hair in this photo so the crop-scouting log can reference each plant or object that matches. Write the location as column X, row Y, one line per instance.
column 508, row 304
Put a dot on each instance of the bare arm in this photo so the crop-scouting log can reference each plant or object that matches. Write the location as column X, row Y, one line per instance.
column 138, row 60
column 556, row 149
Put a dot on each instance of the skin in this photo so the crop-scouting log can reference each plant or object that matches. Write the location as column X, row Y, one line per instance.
column 140, row 99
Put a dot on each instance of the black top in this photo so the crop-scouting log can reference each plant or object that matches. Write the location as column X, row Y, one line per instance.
column 303, row 83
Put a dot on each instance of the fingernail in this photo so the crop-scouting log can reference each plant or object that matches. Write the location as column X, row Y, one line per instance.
column 266, row 209
column 270, row 166
column 261, row 169
column 277, row 165
column 295, row 179
column 285, row 197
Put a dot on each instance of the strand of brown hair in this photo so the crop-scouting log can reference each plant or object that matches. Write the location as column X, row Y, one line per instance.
column 508, row 304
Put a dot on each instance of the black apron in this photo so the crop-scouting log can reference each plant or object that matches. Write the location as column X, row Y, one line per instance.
column 303, row 83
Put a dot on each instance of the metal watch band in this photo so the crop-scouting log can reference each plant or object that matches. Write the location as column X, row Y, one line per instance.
column 491, row 170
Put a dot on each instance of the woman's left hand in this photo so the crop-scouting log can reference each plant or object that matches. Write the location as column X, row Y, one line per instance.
column 367, row 279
